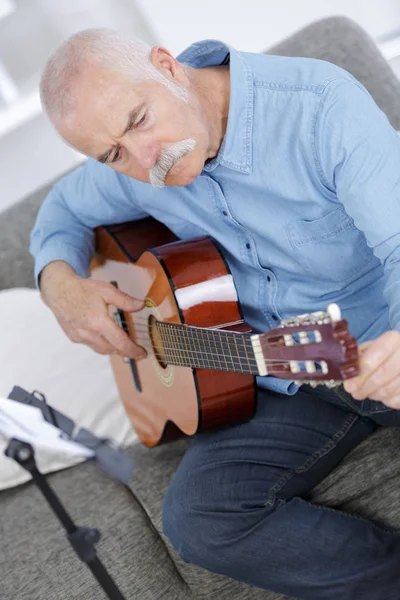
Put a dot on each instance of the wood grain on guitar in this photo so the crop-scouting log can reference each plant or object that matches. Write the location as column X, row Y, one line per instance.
column 202, row 358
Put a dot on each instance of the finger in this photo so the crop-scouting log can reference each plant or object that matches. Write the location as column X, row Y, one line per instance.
column 121, row 300
column 121, row 341
column 365, row 345
column 393, row 403
column 371, row 355
column 97, row 342
column 100, row 349
column 389, row 394
column 382, row 376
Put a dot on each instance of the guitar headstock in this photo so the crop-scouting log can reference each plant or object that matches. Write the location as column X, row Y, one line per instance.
column 314, row 348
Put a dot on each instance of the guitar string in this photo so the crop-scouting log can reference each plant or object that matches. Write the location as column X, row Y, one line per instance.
column 137, row 317
column 144, row 322
column 182, row 354
column 140, row 326
column 204, row 332
column 159, row 350
column 190, row 333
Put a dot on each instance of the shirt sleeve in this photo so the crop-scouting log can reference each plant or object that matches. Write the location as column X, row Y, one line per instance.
column 90, row 196
column 357, row 155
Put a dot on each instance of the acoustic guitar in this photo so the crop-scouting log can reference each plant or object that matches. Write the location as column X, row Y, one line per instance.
column 202, row 358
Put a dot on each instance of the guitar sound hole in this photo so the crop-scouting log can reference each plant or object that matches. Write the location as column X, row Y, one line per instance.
column 157, row 342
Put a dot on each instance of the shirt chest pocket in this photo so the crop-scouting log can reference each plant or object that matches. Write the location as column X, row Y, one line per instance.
column 330, row 248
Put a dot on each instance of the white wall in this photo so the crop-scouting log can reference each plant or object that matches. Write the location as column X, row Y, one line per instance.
column 30, row 156
column 253, row 25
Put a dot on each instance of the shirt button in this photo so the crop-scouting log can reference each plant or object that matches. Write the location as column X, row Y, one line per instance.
column 268, row 278
column 248, row 246
column 275, row 317
column 224, row 213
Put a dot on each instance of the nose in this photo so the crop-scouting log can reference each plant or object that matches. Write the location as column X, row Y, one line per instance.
column 144, row 153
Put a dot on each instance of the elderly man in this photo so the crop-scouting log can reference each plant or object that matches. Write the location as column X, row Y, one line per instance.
column 289, row 164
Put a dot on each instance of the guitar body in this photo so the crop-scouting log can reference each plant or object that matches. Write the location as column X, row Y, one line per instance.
column 180, row 282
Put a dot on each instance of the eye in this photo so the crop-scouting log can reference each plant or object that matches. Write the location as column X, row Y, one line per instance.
column 142, row 120
column 116, row 156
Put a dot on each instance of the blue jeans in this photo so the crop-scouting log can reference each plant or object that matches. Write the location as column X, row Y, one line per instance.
column 237, row 503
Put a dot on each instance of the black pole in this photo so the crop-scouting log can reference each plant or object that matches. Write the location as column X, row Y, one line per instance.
column 82, row 539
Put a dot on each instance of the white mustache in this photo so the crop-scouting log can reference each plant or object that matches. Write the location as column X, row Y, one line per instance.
column 168, row 157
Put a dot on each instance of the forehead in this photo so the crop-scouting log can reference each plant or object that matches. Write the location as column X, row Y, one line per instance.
column 103, row 101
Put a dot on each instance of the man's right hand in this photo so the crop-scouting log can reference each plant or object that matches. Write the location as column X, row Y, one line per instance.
column 81, row 308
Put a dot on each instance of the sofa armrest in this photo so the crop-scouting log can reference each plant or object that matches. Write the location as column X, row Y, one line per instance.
column 16, row 223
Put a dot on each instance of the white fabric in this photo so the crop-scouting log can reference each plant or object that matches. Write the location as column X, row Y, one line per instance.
column 35, row 354
column 27, row 424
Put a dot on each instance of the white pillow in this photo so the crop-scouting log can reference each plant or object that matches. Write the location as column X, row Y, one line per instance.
column 36, row 355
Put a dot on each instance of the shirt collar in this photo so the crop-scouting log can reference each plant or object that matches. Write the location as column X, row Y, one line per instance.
column 236, row 148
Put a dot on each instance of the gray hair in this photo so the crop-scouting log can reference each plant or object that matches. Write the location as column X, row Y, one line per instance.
column 130, row 57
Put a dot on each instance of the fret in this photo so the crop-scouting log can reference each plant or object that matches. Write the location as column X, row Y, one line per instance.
column 229, row 356
column 186, row 345
column 173, row 344
column 165, row 349
column 168, row 342
column 247, row 356
column 234, row 356
column 222, row 350
column 235, row 363
column 196, row 359
column 250, row 355
column 219, row 350
column 179, row 349
column 193, row 354
column 200, row 359
column 237, row 352
column 211, row 351
column 207, row 339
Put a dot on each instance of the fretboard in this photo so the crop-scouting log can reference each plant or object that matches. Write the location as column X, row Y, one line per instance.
column 204, row 348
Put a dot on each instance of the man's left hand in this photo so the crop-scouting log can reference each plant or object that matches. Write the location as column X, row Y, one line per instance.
column 379, row 376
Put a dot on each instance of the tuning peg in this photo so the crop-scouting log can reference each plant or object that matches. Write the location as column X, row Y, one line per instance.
column 334, row 312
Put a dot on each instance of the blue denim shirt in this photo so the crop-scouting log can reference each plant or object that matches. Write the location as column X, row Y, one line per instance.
column 303, row 196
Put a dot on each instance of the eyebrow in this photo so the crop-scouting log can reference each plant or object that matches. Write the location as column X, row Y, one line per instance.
column 133, row 115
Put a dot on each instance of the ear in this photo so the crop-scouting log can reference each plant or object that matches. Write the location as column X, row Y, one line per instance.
column 168, row 65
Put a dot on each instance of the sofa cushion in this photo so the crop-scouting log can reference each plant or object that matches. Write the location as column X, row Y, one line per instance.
column 37, row 562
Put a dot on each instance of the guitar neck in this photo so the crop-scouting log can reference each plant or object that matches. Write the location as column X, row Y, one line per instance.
column 203, row 348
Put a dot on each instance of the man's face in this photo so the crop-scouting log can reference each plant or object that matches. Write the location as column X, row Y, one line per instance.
column 131, row 126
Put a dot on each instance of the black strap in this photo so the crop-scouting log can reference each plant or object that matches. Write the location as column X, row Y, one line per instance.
column 82, row 539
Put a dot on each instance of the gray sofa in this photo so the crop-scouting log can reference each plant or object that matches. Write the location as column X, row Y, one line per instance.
column 36, row 562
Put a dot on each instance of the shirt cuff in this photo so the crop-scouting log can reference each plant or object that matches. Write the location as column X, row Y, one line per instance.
column 79, row 264
column 282, row 386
